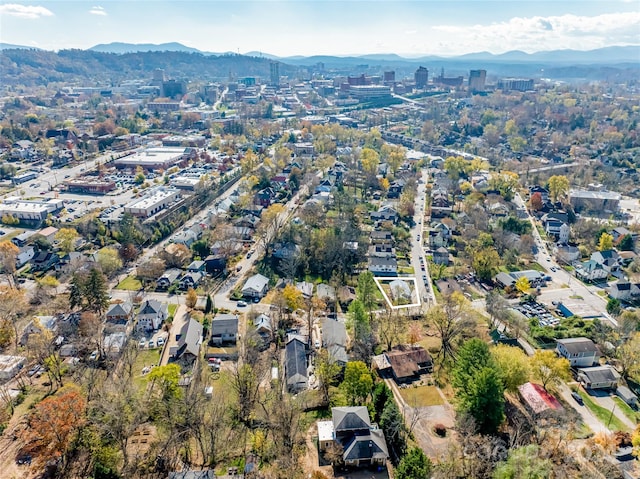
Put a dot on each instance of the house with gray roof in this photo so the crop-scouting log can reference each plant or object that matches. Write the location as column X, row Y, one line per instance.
column 598, row 377
column 295, row 367
column 119, row 313
column 224, row 329
column 334, row 340
column 581, row 352
column 256, row 286
column 189, row 341
column 363, row 444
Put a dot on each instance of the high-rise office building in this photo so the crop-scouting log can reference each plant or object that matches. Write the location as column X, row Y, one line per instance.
column 274, row 70
column 389, row 78
column 477, row 80
column 421, row 77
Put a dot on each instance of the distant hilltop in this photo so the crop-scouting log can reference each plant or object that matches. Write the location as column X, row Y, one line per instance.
column 608, row 55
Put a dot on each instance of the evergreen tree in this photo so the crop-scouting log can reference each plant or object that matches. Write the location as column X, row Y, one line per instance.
column 414, row 465
column 392, row 424
column 96, row 292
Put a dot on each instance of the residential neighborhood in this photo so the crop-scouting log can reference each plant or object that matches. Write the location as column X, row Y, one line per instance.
column 226, row 265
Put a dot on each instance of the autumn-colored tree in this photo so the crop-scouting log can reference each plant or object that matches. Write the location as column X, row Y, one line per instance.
column 357, row 383
column 605, row 242
column 486, row 262
column 293, row 297
column 535, row 202
column 12, row 305
column 191, row 299
column 176, row 255
column 150, row 270
column 53, row 424
column 549, row 368
column 109, row 260
column 370, row 159
column 8, row 254
column 66, row 239
column 558, row 187
column 513, row 364
column 523, row 285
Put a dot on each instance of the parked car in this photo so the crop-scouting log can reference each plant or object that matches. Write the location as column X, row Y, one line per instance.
column 242, row 304
column 152, row 344
column 142, row 343
column 160, row 341
column 577, row 398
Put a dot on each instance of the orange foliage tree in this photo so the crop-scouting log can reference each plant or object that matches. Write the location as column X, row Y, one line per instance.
column 53, row 424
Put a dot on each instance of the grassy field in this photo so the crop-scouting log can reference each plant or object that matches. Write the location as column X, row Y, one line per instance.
column 603, row 414
column 626, row 410
column 421, row 396
column 146, row 357
column 130, row 283
column 172, row 309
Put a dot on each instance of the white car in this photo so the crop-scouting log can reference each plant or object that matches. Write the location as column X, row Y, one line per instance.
column 160, row 341
column 142, row 343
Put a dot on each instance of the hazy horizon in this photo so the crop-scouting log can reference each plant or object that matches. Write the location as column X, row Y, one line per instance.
column 324, row 27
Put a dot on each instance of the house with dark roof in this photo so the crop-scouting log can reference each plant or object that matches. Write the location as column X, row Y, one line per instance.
column 44, row 261
column 295, row 367
column 624, row 291
column 395, row 189
column 581, row 352
column 609, row 260
column 168, row 278
column 598, row 377
column 224, row 329
column 441, row 256
column 189, row 341
column 404, row 363
column 191, row 280
column 362, row 443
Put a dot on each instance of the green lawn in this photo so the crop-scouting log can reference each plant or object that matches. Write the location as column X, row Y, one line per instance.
column 130, row 283
column 603, row 414
column 172, row 309
column 626, row 410
column 421, row 396
column 146, row 357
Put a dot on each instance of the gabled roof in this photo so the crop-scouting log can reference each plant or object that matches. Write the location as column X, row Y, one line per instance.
column 350, row 418
column 295, row 362
column 406, row 362
column 190, row 338
column 263, row 322
column 600, row 374
column 333, row 332
column 120, row 309
column 257, row 282
column 151, row 307
column 578, row 345
column 224, row 323
column 368, row 446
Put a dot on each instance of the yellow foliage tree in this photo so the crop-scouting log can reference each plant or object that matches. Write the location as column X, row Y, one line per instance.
column 605, row 242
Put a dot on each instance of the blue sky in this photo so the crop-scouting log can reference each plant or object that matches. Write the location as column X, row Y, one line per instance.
column 318, row 27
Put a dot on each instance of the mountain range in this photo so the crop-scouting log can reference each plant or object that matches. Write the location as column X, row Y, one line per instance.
column 608, row 55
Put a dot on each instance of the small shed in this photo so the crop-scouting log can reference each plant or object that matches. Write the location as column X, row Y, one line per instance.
column 627, row 396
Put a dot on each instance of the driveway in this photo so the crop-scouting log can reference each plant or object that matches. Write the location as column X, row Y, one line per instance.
column 605, row 399
column 587, row 417
column 424, row 419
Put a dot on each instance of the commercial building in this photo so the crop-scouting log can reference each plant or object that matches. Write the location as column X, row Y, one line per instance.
column 600, row 201
column 389, row 78
column 90, row 185
column 455, row 82
column 160, row 158
column 477, row 79
column 274, row 74
column 517, row 84
column 421, row 77
column 25, row 210
column 154, row 201
column 368, row 92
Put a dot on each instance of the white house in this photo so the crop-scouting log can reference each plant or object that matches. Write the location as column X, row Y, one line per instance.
column 256, row 286
column 624, row 291
column 151, row 315
column 581, row 352
column 383, row 266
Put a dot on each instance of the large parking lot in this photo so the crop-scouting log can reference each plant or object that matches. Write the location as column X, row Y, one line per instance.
column 532, row 309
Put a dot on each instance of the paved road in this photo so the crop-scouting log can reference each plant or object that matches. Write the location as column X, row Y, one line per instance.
column 418, row 257
column 562, row 278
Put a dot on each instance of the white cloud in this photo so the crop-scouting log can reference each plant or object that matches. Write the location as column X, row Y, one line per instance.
column 98, row 11
column 545, row 33
column 24, row 11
